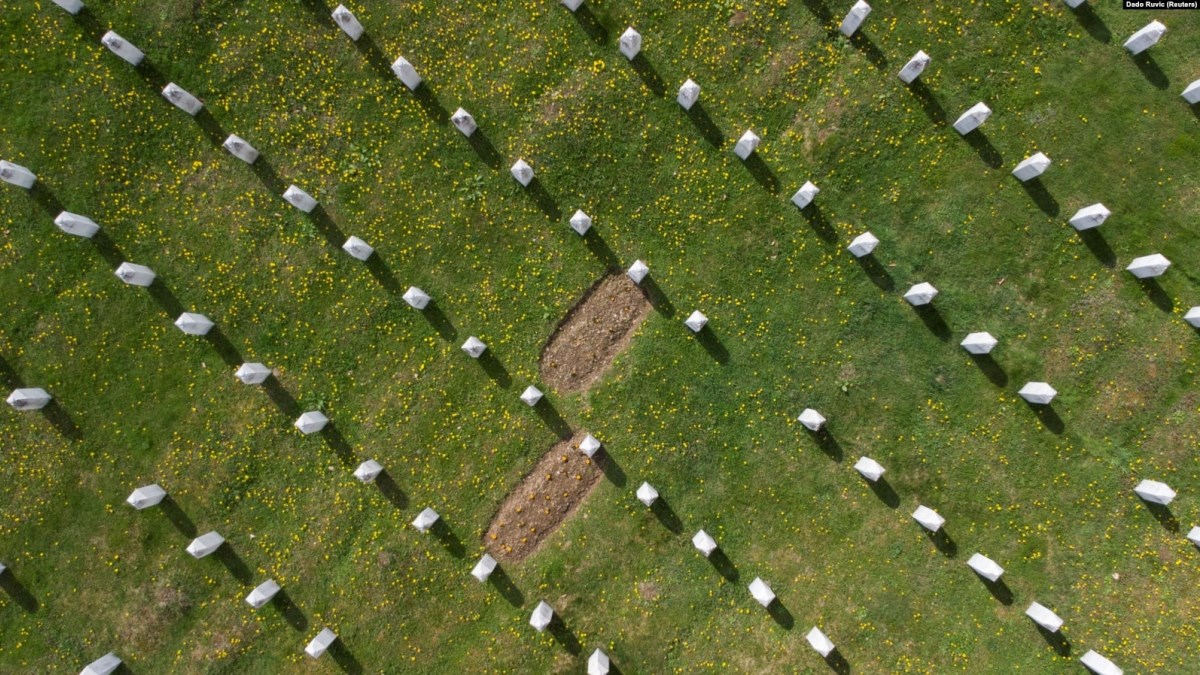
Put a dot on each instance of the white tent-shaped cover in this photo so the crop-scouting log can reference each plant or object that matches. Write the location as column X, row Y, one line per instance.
column 854, row 18
column 704, row 543
column 630, row 43
column 762, row 592
column 647, row 494
column 979, row 343
column 122, row 48
column 581, row 222
column 985, row 567
column 598, row 663
column 869, row 468
column 425, row 520
column 194, row 324
column 1031, row 167
column 820, row 642
column 589, row 445
column 805, row 194
column 75, row 224
column 30, row 398
column 689, row 93
column 240, row 148
column 1154, row 491
column 1145, row 37
column 531, row 395
column 146, row 496
column 747, row 144
column 311, row 422
column 15, row 174
column 811, row 419
column 972, row 118
column 474, row 347
column 928, row 518
column 72, row 6
column 406, row 73
column 262, row 593
column 1040, row 393
column 416, row 298
column 637, row 272
column 182, row 99
column 522, row 172
column 252, row 373
column 368, row 471
column 1194, row 535
column 1193, row 317
column 921, row 294
column 464, row 122
column 1148, row 266
column 696, row 321
column 102, row 666
column 863, row 245
column 542, row 615
column 299, row 199
column 205, row 544
column 134, row 274
column 1099, row 665
column 1191, row 93
column 1089, row 217
column 484, row 568
column 322, row 642
column 915, row 66
column 1043, row 617
column 346, row 20
column 357, row 248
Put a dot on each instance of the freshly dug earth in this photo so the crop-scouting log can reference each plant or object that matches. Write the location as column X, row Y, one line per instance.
column 559, row 482
column 596, row 329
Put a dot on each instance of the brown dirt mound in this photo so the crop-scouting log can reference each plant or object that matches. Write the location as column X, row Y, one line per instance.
column 596, row 329
column 559, row 482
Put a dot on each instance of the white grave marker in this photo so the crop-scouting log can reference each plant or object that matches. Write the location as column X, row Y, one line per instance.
column 531, row 395
column 406, row 73
column 762, row 592
column 299, row 199
column 1154, row 491
column 522, row 172
column 182, row 99
column 928, row 518
column 205, row 544
column 1191, row 93
column 811, row 419
column 581, row 222
column 262, row 593
column 30, row 398
column 484, row 568
column 1148, row 266
column 357, row 248
column 464, row 122
column 542, row 615
column 134, row 274
column 637, row 272
column 746, row 145
column 630, row 43
column 970, row 120
column 72, row 6
column 474, row 347
column 704, row 543
column 822, row 644
column 311, row 422
column 1099, row 665
column 349, row 23
column 646, row 494
column 1043, row 617
column 321, row 643
column 121, row 47
column 805, row 194
column 1031, row 167
column 1089, row 217
column 863, row 245
column 416, row 298
column 696, row 321
column 979, row 343
column 15, row 174
column 240, row 148
column 105, row 665
column 1145, row 38
column 598, row 663
column 689, row 93
column 985, row 567
column 146, row 496
column 921, row 294
column 425, row 520
column 368, row 471
column 252, row 373
column 73, row 223
column 1040, row 393
column 855, row 17
column 194, row 324
column 870, row 469
column 915, row 66
column 589, row 445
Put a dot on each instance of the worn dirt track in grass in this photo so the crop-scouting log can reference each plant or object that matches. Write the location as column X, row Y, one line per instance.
column 546, row 497
column 596, row 329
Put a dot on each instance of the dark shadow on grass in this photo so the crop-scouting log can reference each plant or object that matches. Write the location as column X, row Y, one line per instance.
column 152, row 75
column 666, row 515
column 177, row 516
column 17, row 591
column 1048, row 416
column 8, row 375
column 61, row 420
column 708, row 339
column 1098, row 245
column 234, row 563
column 1150, row 70
column 165, row 298
column 999, row 590
column 553, row 419
column 291, row 613
column 505, row 587
column 484, row 148
column 344, row 658
column 544, row 200
column 929, row 103
column 449, row 540
column 992, row 370
column 600, row 249
column 591, row 25
column 819, row 223
column 325, row 225
column 224, row 348
column 1041, row 196
column 705, row 125
column 211, row 127
column 1095, row 27
column 564, row 635
column 1163, row 515
column 281, row 398
column 649, row 75
column 933, row 321
column 781, row 615
column 46, row 199
column 875, row 272
column 337, row 443
column 762, row 173
column 391, row 491
column 108, row 249
column 495, row 369
column 884, row 491
column 374, row 56
column 382, row 272
column 819, row 10
column 612, row 471
column 1157, row 295
column 1057, row 641
column 723, row 565
column 827, row 443
column 654, row 294
column 90, row 24
column 268, row 176
column 987, row 152
column 431, row 105
column 320, row 12
column 942, row 541
column 837, row 663
column 864, row 44
column 441, row 323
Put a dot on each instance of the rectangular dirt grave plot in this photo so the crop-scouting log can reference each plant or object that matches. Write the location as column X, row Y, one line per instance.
column 546, row 497
column 595, row 330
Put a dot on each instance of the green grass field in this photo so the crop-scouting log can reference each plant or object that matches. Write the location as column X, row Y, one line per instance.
column 796, row 322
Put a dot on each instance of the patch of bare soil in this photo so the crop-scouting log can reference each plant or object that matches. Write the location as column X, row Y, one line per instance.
column 596, row 329
column 559, row 482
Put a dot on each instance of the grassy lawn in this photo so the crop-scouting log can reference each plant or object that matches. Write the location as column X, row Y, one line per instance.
column 796, row 322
